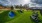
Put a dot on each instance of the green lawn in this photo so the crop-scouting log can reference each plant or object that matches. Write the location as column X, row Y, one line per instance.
column 19, row 18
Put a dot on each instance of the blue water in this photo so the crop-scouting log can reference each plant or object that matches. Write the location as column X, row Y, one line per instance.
column 11, row 14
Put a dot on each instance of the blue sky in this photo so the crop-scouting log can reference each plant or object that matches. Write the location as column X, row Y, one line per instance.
column 14, row 2
column 37, row 3
column 17, row 2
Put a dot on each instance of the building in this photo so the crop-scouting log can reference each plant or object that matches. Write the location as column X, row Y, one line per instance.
column 3, row 7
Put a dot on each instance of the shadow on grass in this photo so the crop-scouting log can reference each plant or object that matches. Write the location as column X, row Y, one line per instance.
column 3, row 17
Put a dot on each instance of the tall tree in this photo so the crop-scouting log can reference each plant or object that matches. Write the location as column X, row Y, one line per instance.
column 12, row 7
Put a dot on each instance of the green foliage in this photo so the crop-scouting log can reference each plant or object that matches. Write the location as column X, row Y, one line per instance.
column 19, row 18
column 1, row 5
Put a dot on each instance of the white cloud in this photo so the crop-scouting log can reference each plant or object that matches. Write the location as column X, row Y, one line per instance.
column 35, row 5
column 9, row 2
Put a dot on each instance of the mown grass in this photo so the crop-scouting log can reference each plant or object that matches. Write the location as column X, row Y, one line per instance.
column 19, row 18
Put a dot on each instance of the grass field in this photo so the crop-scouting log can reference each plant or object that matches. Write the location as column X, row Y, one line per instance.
column 19, row 18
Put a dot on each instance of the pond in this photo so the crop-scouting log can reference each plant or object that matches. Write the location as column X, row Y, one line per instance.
column 11, row 14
